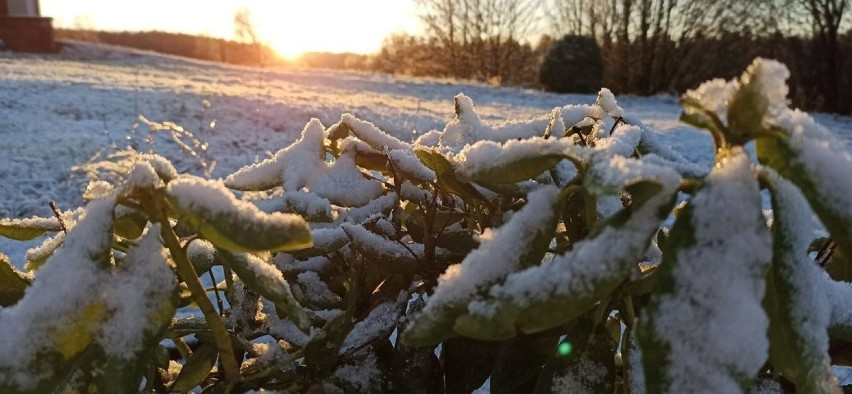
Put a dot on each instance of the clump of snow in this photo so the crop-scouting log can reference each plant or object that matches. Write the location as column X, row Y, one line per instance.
column 293, row 166
column 315, row 290
column 343, row 183
column 383, row 204
column 714, row 95
column 771, row 79
column 363, row 375
column 372, row 135
column 142, row 176
column 606, row 100
column 623, row 141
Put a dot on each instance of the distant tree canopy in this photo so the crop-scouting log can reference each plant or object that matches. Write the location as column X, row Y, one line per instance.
column 572, row 64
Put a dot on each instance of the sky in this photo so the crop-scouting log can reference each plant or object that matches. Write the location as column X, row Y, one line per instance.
column 289, row 26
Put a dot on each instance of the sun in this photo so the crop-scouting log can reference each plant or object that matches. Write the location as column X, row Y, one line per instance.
column 292, row 28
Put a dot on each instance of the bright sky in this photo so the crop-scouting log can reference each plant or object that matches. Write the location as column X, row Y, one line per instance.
column 289, row 26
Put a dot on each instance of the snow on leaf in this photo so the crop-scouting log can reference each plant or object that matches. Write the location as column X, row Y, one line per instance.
column 491, row 162
column 522, row 241
column 818, row 163
column 291, row 167
column 26, row 229
column 391, row 256
column 231, row 224
column 468, row 128
column 544, row 296
column 706, row 326
column 264, row 278
column 55, row 321
column 795, row 295
column 370, row 134
column 381, row 321
column 410, row 167
column 308, row 205
column 138, row 299
column 606, row 100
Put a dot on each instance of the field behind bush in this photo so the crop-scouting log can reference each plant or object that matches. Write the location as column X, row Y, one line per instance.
column 59, row 111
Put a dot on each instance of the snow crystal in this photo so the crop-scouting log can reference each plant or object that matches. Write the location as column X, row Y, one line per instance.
column 714, row 95
column 285, row 329
column 142, row 176
column 713, row 322
column 771, row 78
column 363, row 376
column 344, row 184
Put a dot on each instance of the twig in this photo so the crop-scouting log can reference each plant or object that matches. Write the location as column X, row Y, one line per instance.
column 58, row 217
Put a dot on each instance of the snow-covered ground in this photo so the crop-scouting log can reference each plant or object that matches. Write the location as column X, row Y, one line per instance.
column 58, row 111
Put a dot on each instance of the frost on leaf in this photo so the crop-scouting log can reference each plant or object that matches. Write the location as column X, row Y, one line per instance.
column 705, row 327
column 514, row 161
column 545, row 296
column 522, row 241
column 231, row 224
column 26, row 229
column 291, row 167
column 795, row 298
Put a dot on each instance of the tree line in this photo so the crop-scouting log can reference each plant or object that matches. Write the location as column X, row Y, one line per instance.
column 646, row 46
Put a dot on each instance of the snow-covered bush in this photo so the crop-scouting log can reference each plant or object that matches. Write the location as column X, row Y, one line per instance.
column 535, row 253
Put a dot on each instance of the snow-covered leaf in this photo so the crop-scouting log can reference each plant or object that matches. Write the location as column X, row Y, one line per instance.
column 235, row 225
column 264, row 278
column 795, row 296
column 27, row 229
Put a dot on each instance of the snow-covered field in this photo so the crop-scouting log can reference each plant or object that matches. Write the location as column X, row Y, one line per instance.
column 58, row 111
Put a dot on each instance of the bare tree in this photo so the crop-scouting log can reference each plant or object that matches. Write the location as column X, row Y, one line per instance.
column 480, row 39
column 826, row 17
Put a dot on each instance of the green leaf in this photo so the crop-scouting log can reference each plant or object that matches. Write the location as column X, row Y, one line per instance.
column 129, row 223
column 266, row 280
column 234, row 225
column 519, row 169
column 196, row 368
column 27, row 229
column 13, row 283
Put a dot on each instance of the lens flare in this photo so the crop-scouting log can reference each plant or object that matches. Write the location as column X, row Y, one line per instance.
column 564, row 349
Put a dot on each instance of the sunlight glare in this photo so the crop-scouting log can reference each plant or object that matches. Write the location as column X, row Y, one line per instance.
column 295, row 27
